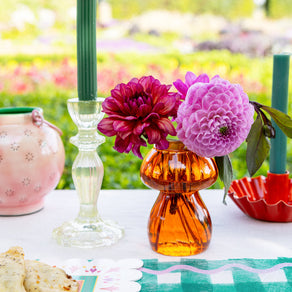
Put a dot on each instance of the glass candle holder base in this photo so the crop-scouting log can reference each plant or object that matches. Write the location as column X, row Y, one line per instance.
column 88, row 234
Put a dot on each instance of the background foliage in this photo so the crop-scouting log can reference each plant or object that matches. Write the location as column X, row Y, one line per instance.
column 126, row 8
column 49, row 82
column 123, row 9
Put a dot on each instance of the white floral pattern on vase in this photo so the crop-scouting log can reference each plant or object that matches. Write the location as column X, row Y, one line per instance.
column 31, row 162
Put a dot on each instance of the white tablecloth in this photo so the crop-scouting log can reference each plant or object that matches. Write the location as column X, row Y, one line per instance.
column 234, row 234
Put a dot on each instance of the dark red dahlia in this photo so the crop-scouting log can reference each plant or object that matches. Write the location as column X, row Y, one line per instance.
column 138, row 112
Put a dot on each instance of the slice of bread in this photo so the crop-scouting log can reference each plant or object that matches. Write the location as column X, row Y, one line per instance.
column 12, row 270
column 40, row 277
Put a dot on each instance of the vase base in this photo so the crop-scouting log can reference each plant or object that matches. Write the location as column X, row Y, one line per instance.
column 21, row 210
column 179, row 249
column 88, row 235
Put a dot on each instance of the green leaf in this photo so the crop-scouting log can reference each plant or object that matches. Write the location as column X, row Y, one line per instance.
column 258, row 147
column 283, row 121
column 225, row 172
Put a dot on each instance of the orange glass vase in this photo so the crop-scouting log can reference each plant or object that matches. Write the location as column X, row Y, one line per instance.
column 179, row 222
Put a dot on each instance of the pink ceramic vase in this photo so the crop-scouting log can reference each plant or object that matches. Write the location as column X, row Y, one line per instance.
column 31, row 160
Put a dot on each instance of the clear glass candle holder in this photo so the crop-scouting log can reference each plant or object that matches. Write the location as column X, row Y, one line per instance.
column 88, row 230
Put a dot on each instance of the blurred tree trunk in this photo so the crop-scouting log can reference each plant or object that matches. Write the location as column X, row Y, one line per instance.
column 267, row 7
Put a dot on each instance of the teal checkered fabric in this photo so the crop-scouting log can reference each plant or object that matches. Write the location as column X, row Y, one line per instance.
column 240, row 275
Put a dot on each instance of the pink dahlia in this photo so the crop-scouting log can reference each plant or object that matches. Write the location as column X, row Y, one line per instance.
column 137, row 112
column 215, row 118
column 190, row 79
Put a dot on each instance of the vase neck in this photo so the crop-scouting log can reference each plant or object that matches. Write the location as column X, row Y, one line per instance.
column 17, row 115
column 174, row 145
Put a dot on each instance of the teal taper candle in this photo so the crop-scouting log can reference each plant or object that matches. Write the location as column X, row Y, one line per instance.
column 278, row 152
column 86, row 49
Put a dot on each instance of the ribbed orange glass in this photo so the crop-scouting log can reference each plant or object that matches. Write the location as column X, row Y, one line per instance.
column 179, row 223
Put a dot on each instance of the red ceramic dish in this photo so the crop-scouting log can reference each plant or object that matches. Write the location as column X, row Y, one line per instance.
column 264, row 198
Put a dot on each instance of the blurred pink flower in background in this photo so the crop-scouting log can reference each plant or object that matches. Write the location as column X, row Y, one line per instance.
column 66, row 75
column 106, row 78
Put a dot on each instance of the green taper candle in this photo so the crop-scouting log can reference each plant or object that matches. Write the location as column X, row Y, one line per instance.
column 278, row 154
column 86, row 49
